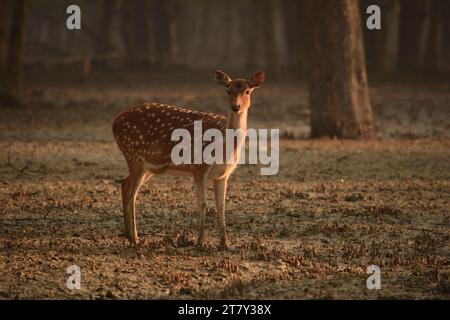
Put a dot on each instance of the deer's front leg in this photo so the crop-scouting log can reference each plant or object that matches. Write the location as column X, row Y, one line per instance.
column 200, row 191
column 130, row 187
column 220, row 190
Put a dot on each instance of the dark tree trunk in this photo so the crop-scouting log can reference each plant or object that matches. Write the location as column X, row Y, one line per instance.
column 431, row 52
column 251, row 18
column 11, row 78
column 412, row 15
column 4, row 30
column 374, row 40
column 268, row 29
column 293, row 29
column 445, row 27
column 141, row 31
column 337, row 80
column 127, row 32
column 103, row 38
column 162, row 15
column 135, row 32
column 184, row 32
column 227, row 38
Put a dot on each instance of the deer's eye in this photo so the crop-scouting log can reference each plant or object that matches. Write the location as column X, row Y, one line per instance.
column 247, row 92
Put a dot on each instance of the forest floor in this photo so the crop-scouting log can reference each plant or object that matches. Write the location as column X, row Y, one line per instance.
column 311, row 231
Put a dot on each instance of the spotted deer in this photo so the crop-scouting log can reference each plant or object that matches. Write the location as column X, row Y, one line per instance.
column 143, row 134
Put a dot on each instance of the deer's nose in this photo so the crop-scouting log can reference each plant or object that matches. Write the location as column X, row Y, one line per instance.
column 235, row 107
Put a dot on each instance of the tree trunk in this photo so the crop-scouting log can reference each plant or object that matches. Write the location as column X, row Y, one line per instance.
column 293, row 30
column 127, row 32
column 374, row 40
column 4, row 29
column 226, row 52
column 337, row 80
column 11, row 78
column 251, row 17
column 141, row 32
column 431, row 52
column 162, row 32
column 103, row 38
column 412, row 15
column 268, row 29
column 445, row 28
column 135, row 32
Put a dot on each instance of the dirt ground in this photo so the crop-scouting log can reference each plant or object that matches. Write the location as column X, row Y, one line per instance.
column 334, row 208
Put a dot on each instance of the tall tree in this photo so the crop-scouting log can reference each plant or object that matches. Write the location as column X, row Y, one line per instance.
column 374, row 40
column 431, row 52
column 293, row 32
column 103, row 37
column 337, row 80
column 126, row 18
column 268, row 29
column 412, row 16
column 11, row 75
column 445, row 27
column 226, row 54
column 162, row 16
column 4, row 31
column 251, row 17
column 135, row 31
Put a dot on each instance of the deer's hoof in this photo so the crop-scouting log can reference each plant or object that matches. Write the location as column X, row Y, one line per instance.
column 134, row 241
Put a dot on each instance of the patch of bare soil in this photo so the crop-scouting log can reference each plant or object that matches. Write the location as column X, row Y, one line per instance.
column 334, row 208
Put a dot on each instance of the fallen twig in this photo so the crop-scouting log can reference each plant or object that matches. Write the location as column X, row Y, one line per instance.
column 23, row 170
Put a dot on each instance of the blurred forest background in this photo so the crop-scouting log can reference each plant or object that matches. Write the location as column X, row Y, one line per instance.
column 286, row 38
column 235, row 34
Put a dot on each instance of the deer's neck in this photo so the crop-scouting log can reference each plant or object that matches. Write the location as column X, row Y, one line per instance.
column 237, row 120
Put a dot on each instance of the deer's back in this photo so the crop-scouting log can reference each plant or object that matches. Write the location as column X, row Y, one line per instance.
column 144, row 132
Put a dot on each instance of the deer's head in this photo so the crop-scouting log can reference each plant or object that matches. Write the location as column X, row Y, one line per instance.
column 239, row 90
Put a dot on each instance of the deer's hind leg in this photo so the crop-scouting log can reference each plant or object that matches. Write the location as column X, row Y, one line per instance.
column 200, row 191
column 130, row 187
column 220, row 190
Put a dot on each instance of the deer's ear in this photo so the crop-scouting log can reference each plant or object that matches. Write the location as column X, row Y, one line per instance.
column 222, row 78
column 257, row 79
